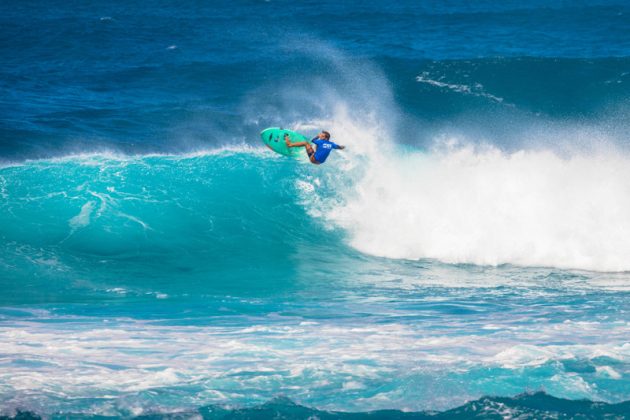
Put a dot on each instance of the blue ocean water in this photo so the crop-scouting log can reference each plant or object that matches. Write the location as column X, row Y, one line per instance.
column 466, row 256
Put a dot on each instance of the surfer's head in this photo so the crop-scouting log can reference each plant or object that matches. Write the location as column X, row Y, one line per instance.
column 325, row 135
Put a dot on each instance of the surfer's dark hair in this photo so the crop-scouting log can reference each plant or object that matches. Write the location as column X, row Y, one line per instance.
column 327, row 134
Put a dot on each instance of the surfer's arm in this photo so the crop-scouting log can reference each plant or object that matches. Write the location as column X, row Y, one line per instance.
column 338, row 146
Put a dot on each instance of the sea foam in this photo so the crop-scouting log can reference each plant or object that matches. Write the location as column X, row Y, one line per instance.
column 462, row 202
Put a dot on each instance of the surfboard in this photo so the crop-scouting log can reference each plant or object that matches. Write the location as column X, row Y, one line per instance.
column 273, row 138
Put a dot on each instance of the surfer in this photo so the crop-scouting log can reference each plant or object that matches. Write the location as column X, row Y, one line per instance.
column 323, row 147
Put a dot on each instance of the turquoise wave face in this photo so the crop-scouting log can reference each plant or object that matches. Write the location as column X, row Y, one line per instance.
column 213, row 223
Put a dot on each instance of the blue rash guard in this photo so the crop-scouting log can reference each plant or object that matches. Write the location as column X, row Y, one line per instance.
column 324, row 147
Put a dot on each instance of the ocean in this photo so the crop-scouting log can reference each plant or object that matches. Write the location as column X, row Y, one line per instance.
column 466, row 256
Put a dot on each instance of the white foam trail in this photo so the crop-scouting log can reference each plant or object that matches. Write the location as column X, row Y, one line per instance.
column 476, row 90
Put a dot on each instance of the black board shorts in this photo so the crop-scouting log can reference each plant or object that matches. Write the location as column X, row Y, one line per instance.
column 311, row 154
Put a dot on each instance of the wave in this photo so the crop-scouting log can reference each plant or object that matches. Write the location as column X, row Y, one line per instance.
column 96, row 215
column 558, row 203
column 550, row 192
column 456, row 204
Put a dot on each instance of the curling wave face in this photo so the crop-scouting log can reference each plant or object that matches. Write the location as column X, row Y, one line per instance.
column 93, row 215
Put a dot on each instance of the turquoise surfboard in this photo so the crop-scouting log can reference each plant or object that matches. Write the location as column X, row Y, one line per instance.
column 274, row 139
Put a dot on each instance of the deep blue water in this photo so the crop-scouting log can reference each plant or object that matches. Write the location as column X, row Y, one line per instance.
column 468, row 253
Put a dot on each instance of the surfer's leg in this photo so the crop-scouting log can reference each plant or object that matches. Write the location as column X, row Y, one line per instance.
column 298, row 144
